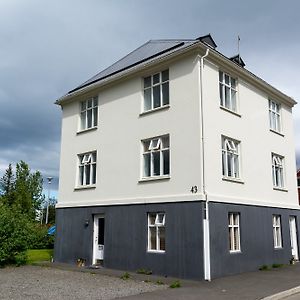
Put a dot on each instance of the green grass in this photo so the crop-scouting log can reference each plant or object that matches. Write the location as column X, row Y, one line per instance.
column 39, row 255
column 176, row 284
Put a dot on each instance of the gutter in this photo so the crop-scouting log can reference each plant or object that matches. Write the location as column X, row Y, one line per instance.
column 206, row 234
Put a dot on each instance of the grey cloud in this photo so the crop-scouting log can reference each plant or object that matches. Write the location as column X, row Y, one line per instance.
column 48, row 48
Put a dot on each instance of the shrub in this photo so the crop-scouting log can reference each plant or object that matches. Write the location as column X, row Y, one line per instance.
column 144, row 271
column 125, row 276
column 175, row 284
column 275, row 266
column 39, row 239
column 14, row 236
column 264, row 268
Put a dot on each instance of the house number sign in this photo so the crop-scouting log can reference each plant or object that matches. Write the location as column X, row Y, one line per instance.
column 194, row 189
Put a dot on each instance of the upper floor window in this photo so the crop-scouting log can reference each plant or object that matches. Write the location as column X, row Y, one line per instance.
column 274, row 114
column 156, row 232
column 230, row 158
column 277, row 170
column 156, row 90
column 156, row 156
column 87, row 168
column 227, row 87
column 89, row 113
column 234, row 232
column 277, row 231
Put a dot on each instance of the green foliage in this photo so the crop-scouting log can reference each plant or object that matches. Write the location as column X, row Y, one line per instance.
column 275, row 266
column 176, row 284
column 125, row 276
column 144, row 271
column 39, row 255
column 264, row 268
column 39, row 239
column 14, row 236
column 22, row 191
column 159, row 282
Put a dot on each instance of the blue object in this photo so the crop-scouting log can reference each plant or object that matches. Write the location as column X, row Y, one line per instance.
column 51, row 230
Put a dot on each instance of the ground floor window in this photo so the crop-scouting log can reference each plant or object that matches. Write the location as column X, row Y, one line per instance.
column 234, row 232
column 277, row 231
column 156, row 232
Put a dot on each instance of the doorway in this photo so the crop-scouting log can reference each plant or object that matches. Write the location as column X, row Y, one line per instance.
column 98, row 240
column 294, row 239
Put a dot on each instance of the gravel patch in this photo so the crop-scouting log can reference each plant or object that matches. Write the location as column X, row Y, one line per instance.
column 33, row 282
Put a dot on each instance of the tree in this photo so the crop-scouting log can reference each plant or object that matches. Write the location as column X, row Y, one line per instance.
column 22, row 190
column 7, row 183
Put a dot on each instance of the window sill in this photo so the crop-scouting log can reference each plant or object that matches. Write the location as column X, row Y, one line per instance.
column 87, row 130
column 235, row 252
column 278, row 248
column 154, row 110
column 277, row 132
column 145, row 179
column 156, row 251
column 85, row 187
column 236, row 180
column 231, row 111
column 280, row 189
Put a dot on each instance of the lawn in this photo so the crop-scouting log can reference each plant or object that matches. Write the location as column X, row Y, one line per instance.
column 39, row 255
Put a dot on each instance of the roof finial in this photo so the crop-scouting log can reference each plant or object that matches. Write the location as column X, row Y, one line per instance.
column 238, row 42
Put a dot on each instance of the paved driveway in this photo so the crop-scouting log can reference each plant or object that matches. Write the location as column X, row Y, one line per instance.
column 33, row 282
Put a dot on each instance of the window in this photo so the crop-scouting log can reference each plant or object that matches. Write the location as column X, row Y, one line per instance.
column 156, row 232
column 230, row 158
column 87, row 169
column 227, row 87
column 89, row 114
column 234, row 232
column 156, row 90
column 277, row 231
column 156, row 157
column 277, row 171
column 298, row 182
column 274, row 113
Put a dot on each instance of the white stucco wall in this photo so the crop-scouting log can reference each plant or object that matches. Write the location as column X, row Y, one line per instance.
column 118, row 142
column 121, row 128
column 257, row 143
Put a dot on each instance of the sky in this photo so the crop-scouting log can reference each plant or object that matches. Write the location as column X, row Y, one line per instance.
column 49, row 47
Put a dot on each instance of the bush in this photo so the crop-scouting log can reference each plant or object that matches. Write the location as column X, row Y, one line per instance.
column 39, row 239
column 14, row 236
column 176, row 284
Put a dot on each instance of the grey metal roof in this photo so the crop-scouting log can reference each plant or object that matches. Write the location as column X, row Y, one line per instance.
column 152, row 48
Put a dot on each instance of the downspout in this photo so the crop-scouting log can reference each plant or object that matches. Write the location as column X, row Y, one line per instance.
column 206, row 237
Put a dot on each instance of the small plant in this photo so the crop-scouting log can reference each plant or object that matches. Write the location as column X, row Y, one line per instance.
column 159, row 282
column 176, row 284
column 144, row 271
column 276, row 266
column 264, row 268
column 125, row 276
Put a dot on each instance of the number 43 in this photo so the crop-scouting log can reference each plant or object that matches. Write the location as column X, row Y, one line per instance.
column 194, row 189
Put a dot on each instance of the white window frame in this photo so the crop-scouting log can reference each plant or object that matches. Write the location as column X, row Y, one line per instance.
column 156, row 145
column 150, row 88
column 231, row 165
column 278, row 171
column 88, row 109
column 277, row 236
column 157, row 225
column 87, row 169
column 275, row 116
column 234, row 232
column 232, row 90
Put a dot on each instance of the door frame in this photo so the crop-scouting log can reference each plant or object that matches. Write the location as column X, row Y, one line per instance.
column 95, row 235
column 292, row 240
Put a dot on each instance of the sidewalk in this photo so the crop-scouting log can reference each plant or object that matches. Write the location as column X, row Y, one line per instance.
column 252, row 285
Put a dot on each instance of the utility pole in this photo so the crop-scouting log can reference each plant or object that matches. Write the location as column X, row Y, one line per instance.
column 48, row 202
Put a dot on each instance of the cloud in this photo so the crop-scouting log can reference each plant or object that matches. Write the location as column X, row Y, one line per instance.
column 48, row 48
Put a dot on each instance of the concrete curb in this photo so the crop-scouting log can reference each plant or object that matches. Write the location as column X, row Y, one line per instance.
column 283, row 294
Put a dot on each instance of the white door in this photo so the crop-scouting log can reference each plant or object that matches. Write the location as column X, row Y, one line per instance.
column 98, row 246
column 294, row 240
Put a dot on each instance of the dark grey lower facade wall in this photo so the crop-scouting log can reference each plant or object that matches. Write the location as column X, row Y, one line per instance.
column 126, row 238
column 257, row 245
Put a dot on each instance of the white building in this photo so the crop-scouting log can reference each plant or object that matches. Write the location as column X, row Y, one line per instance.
column 179, row 160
